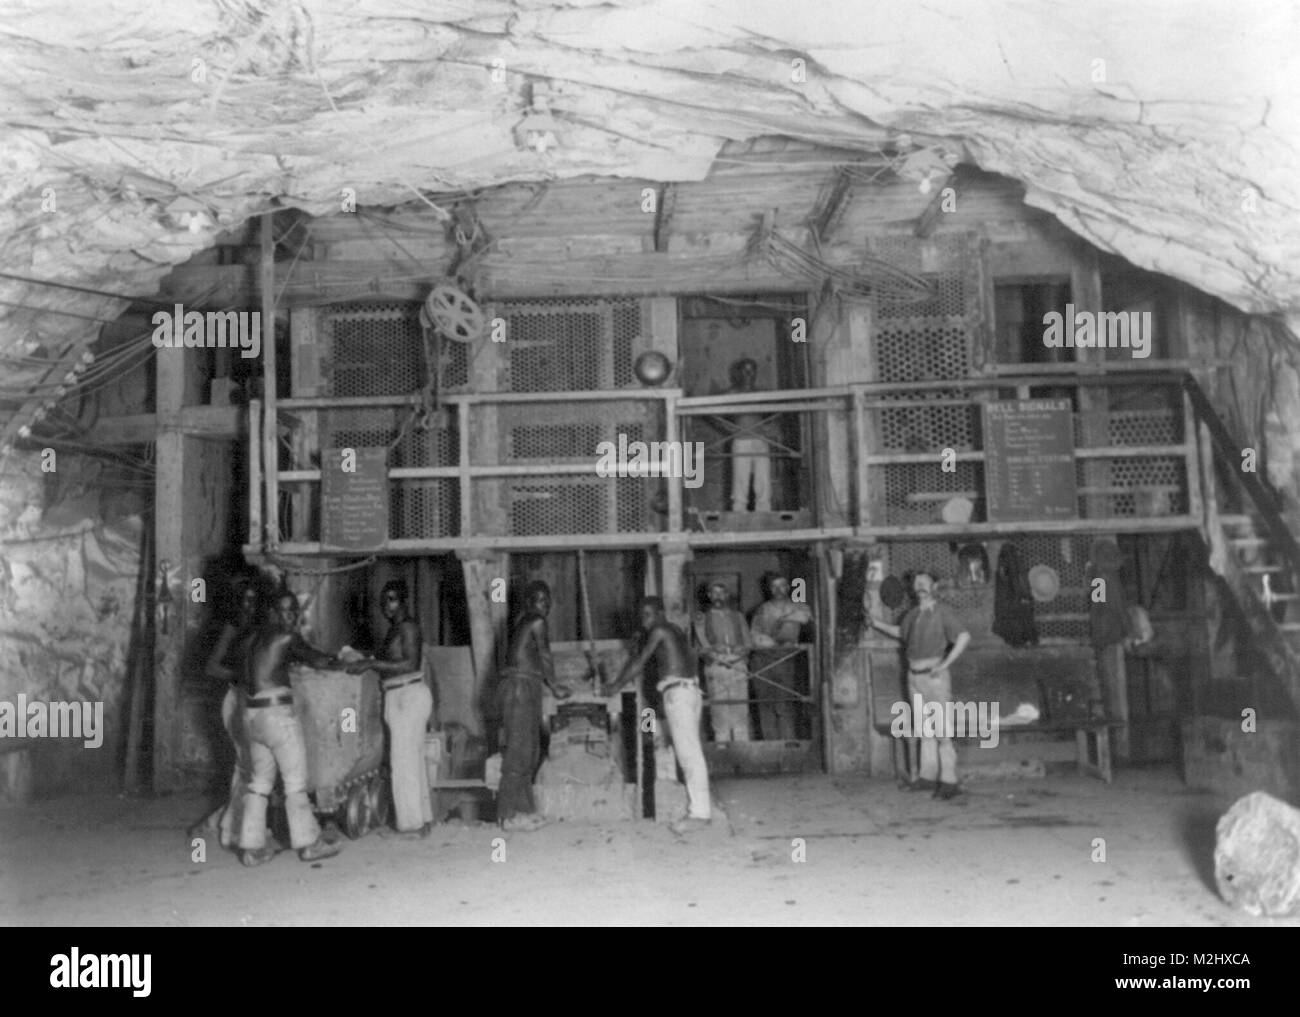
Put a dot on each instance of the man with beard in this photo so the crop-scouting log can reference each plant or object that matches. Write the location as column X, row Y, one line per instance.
column 723, row 638
column 778, row 622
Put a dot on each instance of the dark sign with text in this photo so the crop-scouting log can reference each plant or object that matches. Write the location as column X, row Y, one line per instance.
column 1029, row 460
column 354, row 498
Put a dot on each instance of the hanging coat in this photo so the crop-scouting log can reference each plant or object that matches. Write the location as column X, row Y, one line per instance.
column 1108, row 619
column 1013, row 604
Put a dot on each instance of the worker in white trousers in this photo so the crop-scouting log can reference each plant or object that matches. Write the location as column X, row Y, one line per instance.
column 408, row 705
column 683, row 706
column 226, row 664
column 751, row 455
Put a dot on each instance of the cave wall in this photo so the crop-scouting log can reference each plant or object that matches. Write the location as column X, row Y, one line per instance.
column 69, row 569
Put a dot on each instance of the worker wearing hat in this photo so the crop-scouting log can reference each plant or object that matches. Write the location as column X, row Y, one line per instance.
column 723, row 638
column 933, row 637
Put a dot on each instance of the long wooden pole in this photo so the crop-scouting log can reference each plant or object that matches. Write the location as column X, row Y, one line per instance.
column 588, row 630
column 270, row 432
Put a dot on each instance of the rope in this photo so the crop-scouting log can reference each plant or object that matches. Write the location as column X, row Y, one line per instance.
column 285, row 566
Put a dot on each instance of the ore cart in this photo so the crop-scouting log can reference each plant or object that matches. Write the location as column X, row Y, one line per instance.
column 343, row 724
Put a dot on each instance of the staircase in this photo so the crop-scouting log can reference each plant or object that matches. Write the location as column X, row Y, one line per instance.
column 1251, row 546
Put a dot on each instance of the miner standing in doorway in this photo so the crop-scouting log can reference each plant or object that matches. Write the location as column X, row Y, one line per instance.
column 778, row 622
column 408, row 705
column 751, row 456
column 933, row 638
column 276, row 743
column 724, row 641
column 683, row 705
column 529, row 666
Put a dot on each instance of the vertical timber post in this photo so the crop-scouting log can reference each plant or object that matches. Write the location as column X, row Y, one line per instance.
column 488, row 619
column 169, row 544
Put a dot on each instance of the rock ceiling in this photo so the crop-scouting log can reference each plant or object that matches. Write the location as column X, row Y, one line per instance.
column 1164, row 132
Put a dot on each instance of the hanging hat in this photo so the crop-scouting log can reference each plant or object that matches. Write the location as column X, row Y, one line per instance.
column 957, row 510
column 1044, row 583
column 892, row 592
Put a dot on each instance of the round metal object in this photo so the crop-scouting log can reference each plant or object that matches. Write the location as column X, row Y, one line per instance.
column 652, row 368
column 380, row 802
column 1044, row 583
column 356, row 812
column 450, row 310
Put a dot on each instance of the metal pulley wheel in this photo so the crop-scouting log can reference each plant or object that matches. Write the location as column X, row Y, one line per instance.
column 449, row 310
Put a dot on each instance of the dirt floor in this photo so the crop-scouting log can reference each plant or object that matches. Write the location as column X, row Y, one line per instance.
column 1017, row 852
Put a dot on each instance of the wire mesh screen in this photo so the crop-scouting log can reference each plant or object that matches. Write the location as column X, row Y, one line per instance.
column 578, row 505
column 374, row 348
column 417, row 508
column 915, row 492
column 930, row 341
column 1136, row 486
column 563, row 344
column 949, row 260
column 424, row 508
column 1066, row 616
column 551, row 434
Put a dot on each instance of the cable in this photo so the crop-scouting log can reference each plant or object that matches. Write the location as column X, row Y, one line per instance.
column 51, row 310
column 83, row 289
column 284, row 566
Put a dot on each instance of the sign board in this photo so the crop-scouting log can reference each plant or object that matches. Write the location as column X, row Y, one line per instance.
column 1029, row 460
column 354, row 505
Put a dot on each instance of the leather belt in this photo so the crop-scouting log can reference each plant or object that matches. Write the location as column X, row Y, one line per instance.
column 389, row 686
column 270, row 699
column 691, row 682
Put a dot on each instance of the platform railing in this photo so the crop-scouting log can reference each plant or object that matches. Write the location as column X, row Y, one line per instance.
column 286, row 494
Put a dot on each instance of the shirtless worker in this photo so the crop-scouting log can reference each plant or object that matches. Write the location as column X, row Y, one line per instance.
column 683, row 705
column 408, row 705
column 227, row 664
column 276, row 743
column 528, row 667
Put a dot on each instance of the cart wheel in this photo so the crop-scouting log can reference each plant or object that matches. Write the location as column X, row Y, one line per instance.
column 356, row 814
column 380, row 802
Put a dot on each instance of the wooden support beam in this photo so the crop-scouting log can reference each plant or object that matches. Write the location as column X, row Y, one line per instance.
column 488, row 618
column 673, row 559
column 1094, row 403
column 220, row 422
column 929, row 219
column 665, row 206
column 270, row 430
column 169, row 541
column 830, row 207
